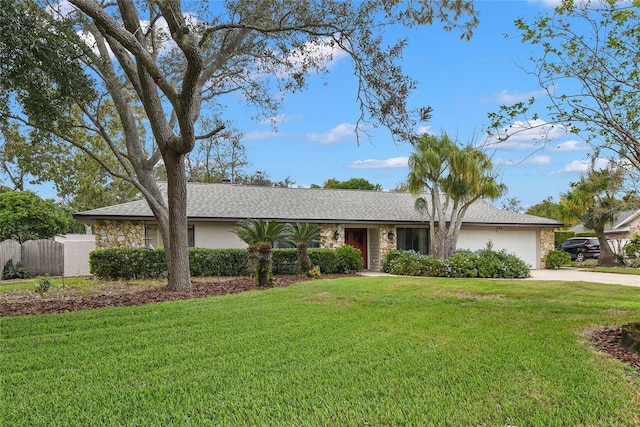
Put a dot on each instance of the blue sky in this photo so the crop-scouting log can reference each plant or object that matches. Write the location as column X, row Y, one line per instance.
column 462, row 81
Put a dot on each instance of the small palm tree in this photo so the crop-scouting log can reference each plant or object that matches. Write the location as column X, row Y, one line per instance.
column 260, row 236
column 303, row 235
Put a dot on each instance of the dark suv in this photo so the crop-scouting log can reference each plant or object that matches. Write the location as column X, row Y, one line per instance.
column 581, row 248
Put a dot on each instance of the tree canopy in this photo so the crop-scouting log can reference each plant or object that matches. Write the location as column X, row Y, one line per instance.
column 351, row 184
column 588, row 68
column 130, row 83
column 25, row 216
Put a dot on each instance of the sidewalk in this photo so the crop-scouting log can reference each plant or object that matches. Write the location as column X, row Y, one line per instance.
column 565, row 274
column 580, row 275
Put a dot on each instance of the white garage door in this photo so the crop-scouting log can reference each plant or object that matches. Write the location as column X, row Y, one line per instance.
column 522, row 243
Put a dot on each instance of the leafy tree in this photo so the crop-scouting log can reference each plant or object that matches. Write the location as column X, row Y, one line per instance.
column 303, row 235
column 172, row 64
column 588, row 67
column 513, row 204
column 593, row 200
column 351, row 184
column 262, row 178
column 260, row 236
column 452, row 178
column 25, row 216
column 548, row 209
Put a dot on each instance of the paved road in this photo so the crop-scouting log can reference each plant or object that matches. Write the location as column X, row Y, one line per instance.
column 578, row 275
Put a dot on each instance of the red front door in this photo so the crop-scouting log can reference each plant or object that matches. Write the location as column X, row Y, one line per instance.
column 357, row 237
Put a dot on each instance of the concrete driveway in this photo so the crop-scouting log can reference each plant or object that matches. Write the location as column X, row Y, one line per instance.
column 579, row 275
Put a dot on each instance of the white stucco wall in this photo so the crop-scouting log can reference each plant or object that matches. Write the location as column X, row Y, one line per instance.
column 76, row 253
column 216, row 236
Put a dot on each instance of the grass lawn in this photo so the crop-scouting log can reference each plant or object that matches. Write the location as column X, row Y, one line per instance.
column 372, row 351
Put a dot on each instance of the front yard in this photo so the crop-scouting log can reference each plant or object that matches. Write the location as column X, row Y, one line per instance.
column 351, row 351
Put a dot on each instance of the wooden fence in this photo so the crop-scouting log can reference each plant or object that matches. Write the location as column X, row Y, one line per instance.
column 43, row 257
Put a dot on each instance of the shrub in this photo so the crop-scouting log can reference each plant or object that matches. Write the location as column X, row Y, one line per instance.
column 464, row 263
column 314, row 273
column 556, row 259
column 43, row 286
column 218, row 262
column 632, row 248
column 561, row 236
column 127, row 263
column 326, row 259
column 349, row 259
column 285, row 261
column 15, row 271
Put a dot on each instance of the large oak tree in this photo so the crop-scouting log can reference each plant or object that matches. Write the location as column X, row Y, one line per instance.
column 79, row 67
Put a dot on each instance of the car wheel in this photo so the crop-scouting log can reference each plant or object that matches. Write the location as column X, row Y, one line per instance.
column 580, row 256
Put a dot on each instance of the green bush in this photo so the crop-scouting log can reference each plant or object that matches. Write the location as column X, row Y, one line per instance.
column 485, row 263
column 218, row 262
column 556, row 259
column 632, row 248
column 43, row 286
column 140, row 263
column 285, row 261
column 127, row 263
column 15, row 271
column 325, row 258
column 561, row 236
column 349, row 259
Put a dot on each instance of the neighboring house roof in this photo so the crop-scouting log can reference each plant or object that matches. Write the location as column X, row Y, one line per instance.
column 228, row 202
column 621, row 223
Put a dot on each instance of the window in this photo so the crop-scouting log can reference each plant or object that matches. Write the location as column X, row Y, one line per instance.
column 413, row 239
column 152, row 236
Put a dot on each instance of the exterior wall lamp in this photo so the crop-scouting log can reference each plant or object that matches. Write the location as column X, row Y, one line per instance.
column 336, row 235
column 390, row 235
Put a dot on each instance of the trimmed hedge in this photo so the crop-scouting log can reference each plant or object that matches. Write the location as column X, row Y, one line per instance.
column 483, row 264
column 141, row 263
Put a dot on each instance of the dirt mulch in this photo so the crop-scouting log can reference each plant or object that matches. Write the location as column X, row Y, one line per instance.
column 59, row 300
column 27, row 302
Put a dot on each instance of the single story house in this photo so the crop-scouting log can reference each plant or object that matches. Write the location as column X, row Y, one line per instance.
column 625, row 225
column 373, row 221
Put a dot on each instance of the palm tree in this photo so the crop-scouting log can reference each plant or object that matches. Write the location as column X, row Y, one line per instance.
column 260, row 236
column 303, row 235
column 452, row 178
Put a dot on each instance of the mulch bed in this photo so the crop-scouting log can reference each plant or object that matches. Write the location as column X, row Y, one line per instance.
column 22, row 303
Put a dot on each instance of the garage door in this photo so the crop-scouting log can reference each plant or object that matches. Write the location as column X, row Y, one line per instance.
column 522, row 243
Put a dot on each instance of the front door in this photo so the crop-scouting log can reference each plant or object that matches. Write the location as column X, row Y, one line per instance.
column 357, row 237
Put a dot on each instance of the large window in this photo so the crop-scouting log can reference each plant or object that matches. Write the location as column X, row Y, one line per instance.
column 413, row 239
column 152, row 236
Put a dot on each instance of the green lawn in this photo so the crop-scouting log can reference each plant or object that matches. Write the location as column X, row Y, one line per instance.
column 371, row 351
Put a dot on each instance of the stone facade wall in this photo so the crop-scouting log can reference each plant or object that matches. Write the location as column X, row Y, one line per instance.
column 386, row 244
column 327, row 232
column 118, row 234
column 547, row 243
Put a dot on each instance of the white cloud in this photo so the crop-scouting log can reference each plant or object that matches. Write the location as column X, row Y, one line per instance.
column 257, row 135
column 424, row 130
column 390, row 163
column 340, row 132
column 571, row 145
column 535, row 161
column 528, row 135
column 548, row 3
column 510, row 97
column 280, row 119
column 581, row 167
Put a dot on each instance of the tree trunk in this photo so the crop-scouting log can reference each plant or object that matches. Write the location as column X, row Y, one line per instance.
column 177, row 245
column 607, row 258
column 303, row 258
column 264, row 266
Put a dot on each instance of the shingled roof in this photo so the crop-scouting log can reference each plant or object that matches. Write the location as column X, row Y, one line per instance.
column 228, row 202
